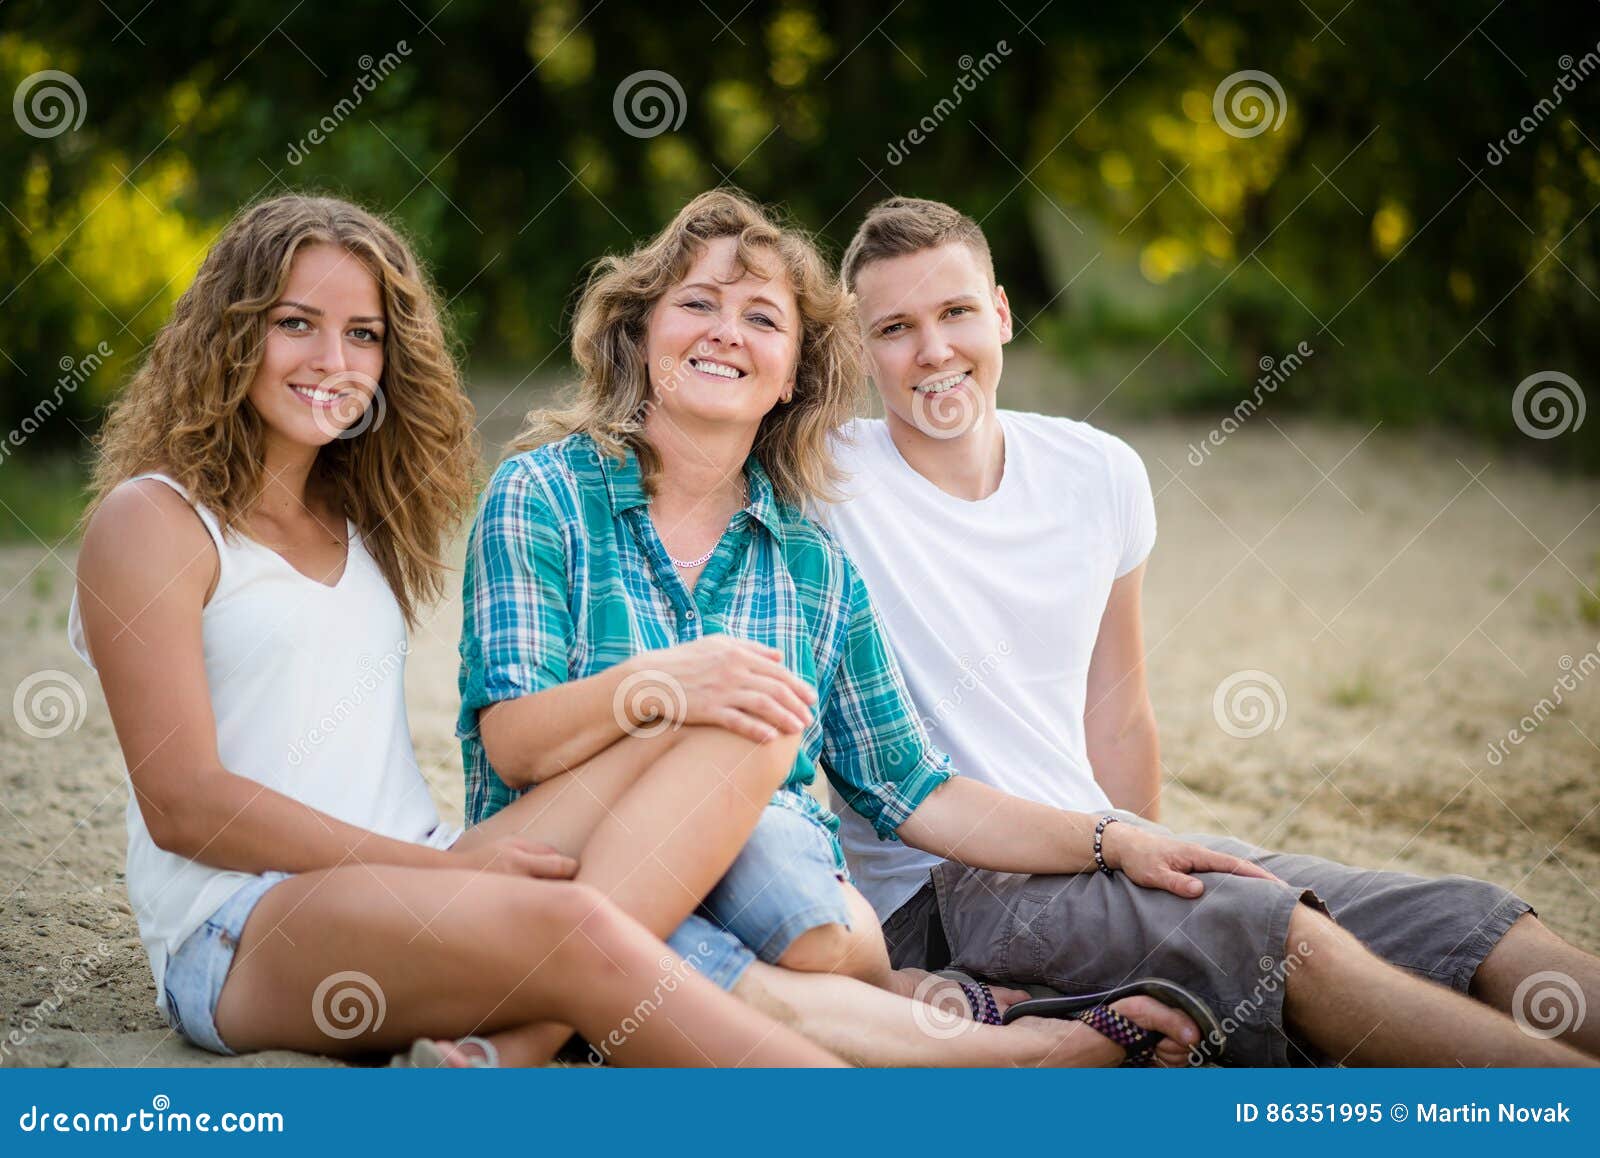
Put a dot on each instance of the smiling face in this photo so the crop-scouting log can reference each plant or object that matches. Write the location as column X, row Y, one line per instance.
column 323, row 354
column 722, row 352
column 934, row 329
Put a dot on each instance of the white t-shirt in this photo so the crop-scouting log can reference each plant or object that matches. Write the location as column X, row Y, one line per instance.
column 993, row 608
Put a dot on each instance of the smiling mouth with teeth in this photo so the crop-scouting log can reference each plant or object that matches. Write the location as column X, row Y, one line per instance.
column 317, row 395
column 716, row 368
column 940, row 385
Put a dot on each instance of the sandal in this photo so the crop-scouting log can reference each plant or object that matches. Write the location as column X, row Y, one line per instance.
column 425, row 1054
column 981, row 998
column 1093, row 1010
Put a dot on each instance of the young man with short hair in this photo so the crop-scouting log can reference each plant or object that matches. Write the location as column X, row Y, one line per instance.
column 1005, row 553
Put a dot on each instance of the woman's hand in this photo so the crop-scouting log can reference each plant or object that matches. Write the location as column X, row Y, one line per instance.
column 1163, row 862
column 518, row 856
column 718, row 681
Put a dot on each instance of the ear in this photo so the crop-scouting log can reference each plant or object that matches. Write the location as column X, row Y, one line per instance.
column 1003, row 308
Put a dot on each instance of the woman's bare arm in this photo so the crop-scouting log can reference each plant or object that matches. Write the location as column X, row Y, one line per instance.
column 144, row 574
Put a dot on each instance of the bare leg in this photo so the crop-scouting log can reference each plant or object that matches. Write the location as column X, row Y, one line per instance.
column 868, row 1026
column 1357, row 1008
column 452, row 953
column 1560, row 983
column 653, row 822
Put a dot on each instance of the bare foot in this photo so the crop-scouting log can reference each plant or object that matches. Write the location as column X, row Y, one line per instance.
column 1082, row 1046
column 945, row 992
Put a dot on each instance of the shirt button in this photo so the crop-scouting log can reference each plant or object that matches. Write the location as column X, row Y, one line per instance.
column 688, row 615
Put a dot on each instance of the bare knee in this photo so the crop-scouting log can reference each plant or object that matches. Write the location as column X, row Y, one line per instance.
column 834, row 948
column 758, row 769
column 551, row 912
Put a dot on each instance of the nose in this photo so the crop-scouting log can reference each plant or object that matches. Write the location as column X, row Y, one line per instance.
column 328, row 357
column 725, row 330
column 933, row 351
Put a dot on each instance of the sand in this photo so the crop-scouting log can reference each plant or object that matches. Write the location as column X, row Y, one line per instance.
column 1402, row 615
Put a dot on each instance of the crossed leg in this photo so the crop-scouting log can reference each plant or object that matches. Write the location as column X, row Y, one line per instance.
column 449, row 953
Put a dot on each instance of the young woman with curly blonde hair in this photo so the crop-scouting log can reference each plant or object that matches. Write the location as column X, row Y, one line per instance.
column 274, row 490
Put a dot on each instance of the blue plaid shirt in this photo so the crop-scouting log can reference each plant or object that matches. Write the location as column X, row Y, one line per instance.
column 565, row 577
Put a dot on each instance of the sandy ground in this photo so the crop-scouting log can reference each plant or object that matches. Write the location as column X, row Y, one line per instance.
column 1410, row 606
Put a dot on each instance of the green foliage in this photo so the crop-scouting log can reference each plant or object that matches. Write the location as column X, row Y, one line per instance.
column 1370, row 223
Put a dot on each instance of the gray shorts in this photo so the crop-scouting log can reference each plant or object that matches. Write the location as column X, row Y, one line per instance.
column 1086, row 932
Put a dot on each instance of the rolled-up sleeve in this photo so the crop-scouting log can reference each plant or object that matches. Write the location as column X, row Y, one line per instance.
column 517, row 629
column 875, row 751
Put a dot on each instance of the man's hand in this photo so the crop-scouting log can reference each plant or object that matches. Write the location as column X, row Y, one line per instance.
column 1163, row 862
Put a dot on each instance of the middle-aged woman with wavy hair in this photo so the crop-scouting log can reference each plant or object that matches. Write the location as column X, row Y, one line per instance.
column 273, row 491
column 652, row 625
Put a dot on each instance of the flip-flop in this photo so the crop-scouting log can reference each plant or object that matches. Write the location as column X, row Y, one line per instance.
column 425, row 1054
column 1093, row 1009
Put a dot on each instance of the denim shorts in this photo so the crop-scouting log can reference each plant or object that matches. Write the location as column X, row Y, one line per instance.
column 784, row 882
column 195, row 973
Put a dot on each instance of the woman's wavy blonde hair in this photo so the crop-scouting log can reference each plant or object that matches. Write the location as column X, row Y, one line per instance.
column 405, row 482
column 608, row 346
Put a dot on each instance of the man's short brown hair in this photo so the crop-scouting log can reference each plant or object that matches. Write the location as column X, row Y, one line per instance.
column 902, row 226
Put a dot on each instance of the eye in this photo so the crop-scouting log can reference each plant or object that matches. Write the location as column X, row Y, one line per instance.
column 763, row 320
column 697, row 304
column 290, row 323
column 363, row 334
column 957, row 311
column 889, row 330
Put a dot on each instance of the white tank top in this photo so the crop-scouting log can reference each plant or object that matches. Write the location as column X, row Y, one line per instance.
column 307, row 685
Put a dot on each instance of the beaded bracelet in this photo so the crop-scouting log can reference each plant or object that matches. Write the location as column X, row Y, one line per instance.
column 1099, row 835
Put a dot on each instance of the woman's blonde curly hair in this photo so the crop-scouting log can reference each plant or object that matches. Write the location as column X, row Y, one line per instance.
column 406, row 482
column 608, row 346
